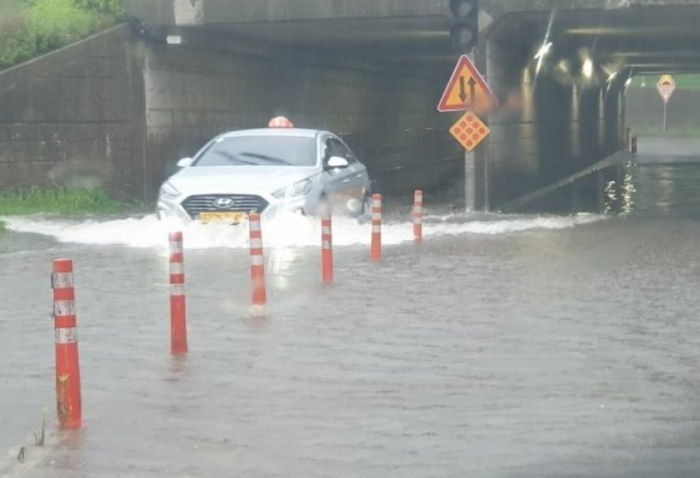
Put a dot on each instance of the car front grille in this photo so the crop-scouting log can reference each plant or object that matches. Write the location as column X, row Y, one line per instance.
column 194, row 205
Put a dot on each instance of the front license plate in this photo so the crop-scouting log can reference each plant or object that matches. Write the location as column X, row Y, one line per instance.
column 227, row 217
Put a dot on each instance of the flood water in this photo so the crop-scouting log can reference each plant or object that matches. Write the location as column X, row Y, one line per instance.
column 504, row 346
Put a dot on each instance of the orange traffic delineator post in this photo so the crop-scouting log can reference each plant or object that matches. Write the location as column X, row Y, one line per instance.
column 327, row 245
column 178, row 299
column 68, row 396
column 376, row 251
column 257, row 267
column 418, row 216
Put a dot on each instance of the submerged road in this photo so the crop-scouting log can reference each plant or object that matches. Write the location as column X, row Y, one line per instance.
column 512, row 346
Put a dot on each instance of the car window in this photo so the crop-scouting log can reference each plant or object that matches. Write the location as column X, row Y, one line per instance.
column 334, row 147
column 259, row 151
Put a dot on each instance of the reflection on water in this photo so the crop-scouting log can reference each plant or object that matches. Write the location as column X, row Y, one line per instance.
column 668, row 190
column 633, row 188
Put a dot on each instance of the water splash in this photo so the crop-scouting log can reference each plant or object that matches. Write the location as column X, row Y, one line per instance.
column 291, row 231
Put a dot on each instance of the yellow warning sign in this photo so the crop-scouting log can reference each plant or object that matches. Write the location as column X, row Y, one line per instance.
column 470, row 131
column 666, row 87
column 467, row 90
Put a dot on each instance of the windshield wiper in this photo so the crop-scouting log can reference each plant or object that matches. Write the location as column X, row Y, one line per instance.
column 264, row 157
column 234, row 158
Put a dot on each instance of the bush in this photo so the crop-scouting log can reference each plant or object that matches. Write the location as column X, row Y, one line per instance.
column 55, row 23
column 17, row 47
column 40, row 26
column 113, row 8
column 57, row 200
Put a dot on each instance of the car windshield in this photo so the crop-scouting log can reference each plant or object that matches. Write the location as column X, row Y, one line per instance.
column 259, row 151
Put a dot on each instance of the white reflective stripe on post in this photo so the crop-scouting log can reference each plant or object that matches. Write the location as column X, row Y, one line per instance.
column 257, row 260
column 376, row 216
column 325, row 230
column 176, row 247
column 62, row 280
column 254, row 225
column 377, row 202
column 177, row 289
column 326, row 244
column 256, row 243
column 418, row 220
column 67, row 335
column 177, row 268
column 63, row 308
column 376, row 228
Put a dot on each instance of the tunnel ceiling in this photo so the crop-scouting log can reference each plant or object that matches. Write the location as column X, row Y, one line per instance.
column 638, row 38
column 642, row 39
column 422, row 41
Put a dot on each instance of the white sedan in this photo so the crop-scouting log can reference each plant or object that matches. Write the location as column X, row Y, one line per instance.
column 268, row 171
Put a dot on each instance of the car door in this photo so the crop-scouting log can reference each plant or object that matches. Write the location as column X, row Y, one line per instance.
column 343, row 183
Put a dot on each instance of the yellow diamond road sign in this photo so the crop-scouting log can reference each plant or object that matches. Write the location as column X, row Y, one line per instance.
column 470, row 131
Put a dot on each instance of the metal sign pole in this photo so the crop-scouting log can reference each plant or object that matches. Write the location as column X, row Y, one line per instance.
column 469, row 182
column 666, row 87
column 487, row 205
column 665, row 116
column 470, row 170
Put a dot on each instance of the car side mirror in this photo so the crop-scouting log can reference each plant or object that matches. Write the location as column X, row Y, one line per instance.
column 337, row 162
column 185, row 163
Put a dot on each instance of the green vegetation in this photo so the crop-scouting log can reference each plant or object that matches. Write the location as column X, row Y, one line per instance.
column 58, row 200
column 685, row 82
column 31, row 27
column 3, row 227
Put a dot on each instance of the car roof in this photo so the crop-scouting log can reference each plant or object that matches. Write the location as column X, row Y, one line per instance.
column 299, row 132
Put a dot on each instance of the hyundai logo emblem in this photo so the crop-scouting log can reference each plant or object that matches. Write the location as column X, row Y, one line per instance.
column 223, row 203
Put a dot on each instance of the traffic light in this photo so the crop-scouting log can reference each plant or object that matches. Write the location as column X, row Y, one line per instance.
column 464, row 28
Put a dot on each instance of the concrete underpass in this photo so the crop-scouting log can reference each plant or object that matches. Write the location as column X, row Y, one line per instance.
column 371, row 71
column 555, row 338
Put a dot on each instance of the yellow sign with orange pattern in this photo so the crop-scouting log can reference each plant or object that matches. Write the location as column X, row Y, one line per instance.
column 470, row 131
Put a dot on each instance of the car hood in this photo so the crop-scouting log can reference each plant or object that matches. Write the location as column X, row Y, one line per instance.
column 238, row 179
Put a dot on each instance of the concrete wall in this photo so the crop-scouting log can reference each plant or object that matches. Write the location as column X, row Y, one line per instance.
column 388, row 117
column 74, row 117
column 184, row 12
column 118, row 111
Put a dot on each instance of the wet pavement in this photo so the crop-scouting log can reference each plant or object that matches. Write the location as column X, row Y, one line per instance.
column 504, row 346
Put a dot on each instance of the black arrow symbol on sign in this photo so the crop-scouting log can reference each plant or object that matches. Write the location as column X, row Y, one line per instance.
column 462, row 90
column 472, row 89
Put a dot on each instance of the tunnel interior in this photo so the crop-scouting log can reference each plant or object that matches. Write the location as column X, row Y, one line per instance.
column 121, row 107
column 560, row 75
column 375, row 82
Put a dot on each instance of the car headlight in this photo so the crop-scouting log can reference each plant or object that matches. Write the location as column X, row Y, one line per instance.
column 302, row 188
column 168, row 191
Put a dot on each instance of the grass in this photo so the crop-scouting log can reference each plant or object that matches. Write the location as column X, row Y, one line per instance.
column 3, row 227
column 58, row 200
column 684, row 82
column 32, row 27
